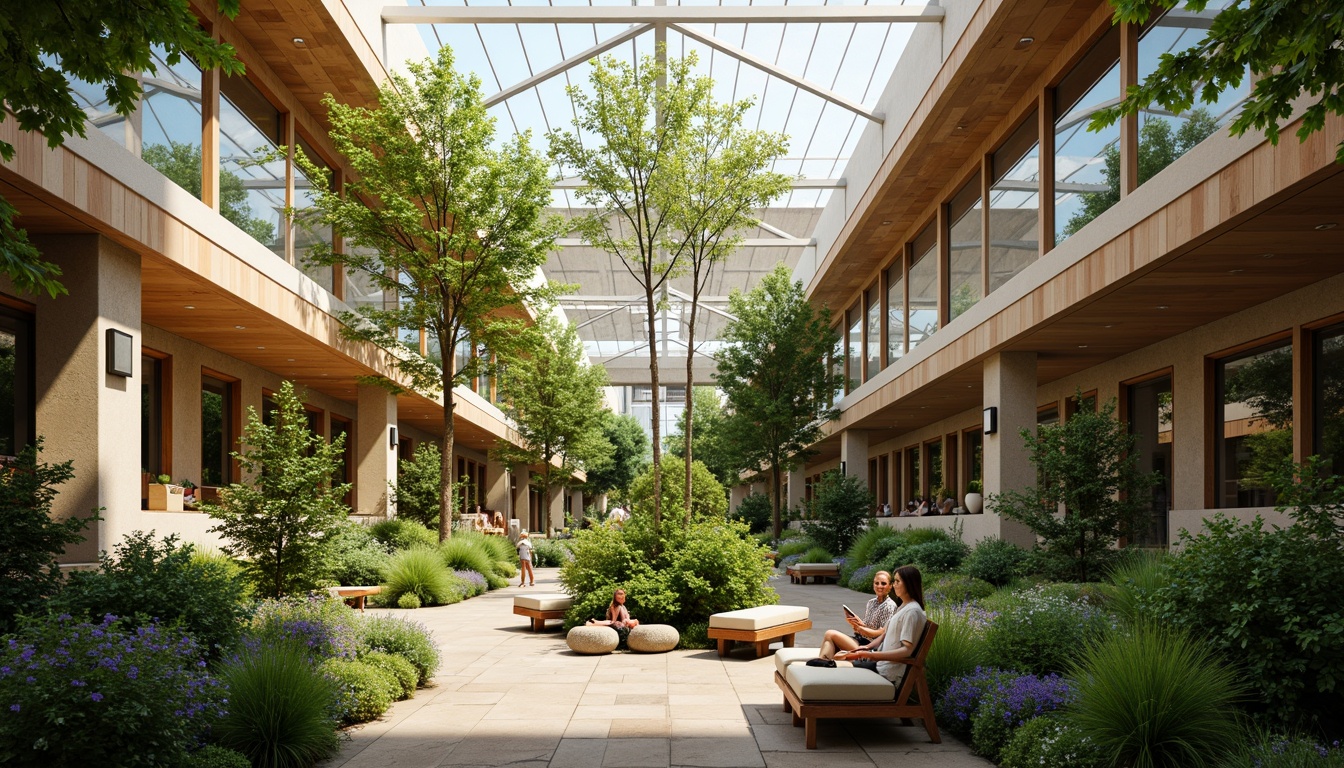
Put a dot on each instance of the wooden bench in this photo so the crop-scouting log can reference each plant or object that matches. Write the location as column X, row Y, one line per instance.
column 800, row 572
column 758, row 626
column 354, row 596
column 845, row 693
column 542, row 607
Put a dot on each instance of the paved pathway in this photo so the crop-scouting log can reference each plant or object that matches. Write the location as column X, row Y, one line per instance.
column 506, row 696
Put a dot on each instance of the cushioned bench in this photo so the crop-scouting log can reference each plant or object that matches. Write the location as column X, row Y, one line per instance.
column 799, row 573
column 814, row 693
column 541, row 607
column 354, row 596
column 758, row 626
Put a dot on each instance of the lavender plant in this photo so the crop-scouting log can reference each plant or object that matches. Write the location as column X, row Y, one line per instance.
column 1010, row 703
column 322, row 625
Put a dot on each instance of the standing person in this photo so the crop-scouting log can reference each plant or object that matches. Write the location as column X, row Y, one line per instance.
column 903, row 631
column 525, row 574
column 875, row 617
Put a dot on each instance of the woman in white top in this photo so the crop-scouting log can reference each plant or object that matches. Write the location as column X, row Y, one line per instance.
column 903, row 631
column 525, row 573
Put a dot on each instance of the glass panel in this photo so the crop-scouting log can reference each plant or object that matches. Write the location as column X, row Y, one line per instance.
column 1254, row 404
column 1014, row 200
column 151, row 415
column 896, row 311
column 170, row 121
column 935, row 470
column 18, row 406
column 874, row 332
column 1087, row 164
column 308, row 230
column 216, row 437
column 923, row 292
column 1150, row 422
column 916, row 482
column 9, row 443
column 975, row 456
column 854, row 341
column 1328, row 426
column 966, row 249
column 251, row 189
column 1047, row 416
column 838, row 365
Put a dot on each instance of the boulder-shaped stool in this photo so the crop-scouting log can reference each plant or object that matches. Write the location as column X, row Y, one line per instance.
column 592, row 641
column 653, row 638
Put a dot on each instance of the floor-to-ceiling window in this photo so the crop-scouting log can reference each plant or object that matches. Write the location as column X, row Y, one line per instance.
column 873, row 328
column 965, row 286
column 1087, row 163
column 1327, row 403
column 895, row 311
column 1014, row 203
column 251, row 173
column 854, row 347
column 1150, row 422
column 923, row 308
column 1253, row 423
column 17, row 401
column 216, row 431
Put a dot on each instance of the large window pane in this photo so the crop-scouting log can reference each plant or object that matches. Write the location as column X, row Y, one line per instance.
column 170, row 122
column 838, row 364
column 251, row 189
column 308, row 229
column 966, row 249
column 1087, row 164
column 1254, row 404
column 216, row 431
column 151, row 415
column 975, row 457
column 874, row 345
column 854, row 347
column 896, row 311
column 1328, row 401
column 1150, row 420
column 1014, row 200
column 17, row 403
column 924, row 288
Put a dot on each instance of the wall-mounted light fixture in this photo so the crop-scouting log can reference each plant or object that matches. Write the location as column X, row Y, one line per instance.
column 991, row 423
column 120, row 353
column 842, row 467
column 392, row 442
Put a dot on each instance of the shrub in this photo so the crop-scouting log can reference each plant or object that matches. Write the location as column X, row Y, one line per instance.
column 862, row 579
column 1041, row 630
column 954, row 589
column 365, row 691
column 408, row 601
column 696, row 637
column 211, row 756
column 356, row 557
column 416, row 493
column 1155, row 697
column 956, row 709
column 549, row 554
column 937, row 556
column 915, row 536
column 1263, row 749
column 795, row 546
column 817, row 555
column 160, row 581
column 1009, row 704
column 322, row 625
column 467, row 555
column 713, row 567
column 503, row 555
column 995, row 561
column 860, row 553
column 471, row 583
column 888, row 549
column 402, row 671
column 755, row 511
column 282, row 711
column 1049, row 741
column 958, row 649
column 399, row 533
column 1134, row 583
column 402, row 637
column 708, row 499
column 420, row 571
column 838, row 511
column 79, row 694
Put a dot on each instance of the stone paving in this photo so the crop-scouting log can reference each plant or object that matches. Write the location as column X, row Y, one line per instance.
column 507, row 696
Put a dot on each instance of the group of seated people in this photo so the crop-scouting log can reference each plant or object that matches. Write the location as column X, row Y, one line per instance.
column 920, row 507
column 888, row 630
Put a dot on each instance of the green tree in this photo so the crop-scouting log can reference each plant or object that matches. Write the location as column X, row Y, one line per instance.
column 708, row 500
column 722, row 177
column 281, row 521
column 181, row 163
column 773, row 372
column 1286, row 50
column 101, row 42
column 28, row 570
column 1159, row 146
column 838, row 511
column 706, row 436
column 416, row 492
column 630, row 454
column 555, row 400
column 643, row 115
column 439, row 218
column 1091, row 491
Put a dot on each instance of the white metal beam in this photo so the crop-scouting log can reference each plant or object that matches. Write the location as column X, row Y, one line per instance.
column 771, row 69
column 567, row 64
column 750, row 242
column 575, row 182
column 661, row 14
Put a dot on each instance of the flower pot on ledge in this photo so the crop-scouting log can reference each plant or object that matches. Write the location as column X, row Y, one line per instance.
column 165, row 498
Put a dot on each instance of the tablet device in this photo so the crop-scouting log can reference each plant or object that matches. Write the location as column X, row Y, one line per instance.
column 849, row 612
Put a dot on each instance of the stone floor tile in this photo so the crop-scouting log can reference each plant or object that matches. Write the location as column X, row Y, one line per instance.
column 831, row 736
column 636, row 753
column 579, row 753
column 631, row 712
column 588, row 729
column 717, row 752
column 652, row 728
column 816, row 758
column 703, row 729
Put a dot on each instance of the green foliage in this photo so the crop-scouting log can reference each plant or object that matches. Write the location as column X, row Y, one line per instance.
column 774, row 376
column 817, row 555
column 957, row 650
column 1049, row 741
column 549, row 554
column 355, row 556
column 838, row 511
column 404, row 638
column 1262, row 748
column 416, row 492
column 211, row 756
column 321, row 624
column 795, row 547
column 995, row 561
column 630, row 454
column 1041, row 630
column 410, row 601
column 916, row 536
column 1090, row 466
column 707, row 439
column 282, row 710
column 708, row 499
column 181, row 163
column 397, row 534
column 695, row 637
column 501, row 550
column 160, row 582
column 400, row 670
column 33, row 539
column 1152, row 697
column 949, row 589
column 366, row 691
column 864, row 550
column 420, row 571
column 754, row 510
column 463, row 554
column 938, row 556
column 1134, row 583
column 1007, row 707
column 282, row 521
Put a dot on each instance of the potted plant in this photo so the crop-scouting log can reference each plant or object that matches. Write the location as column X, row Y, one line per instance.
column 975, row 502
column 189, row 496
column 164, row 496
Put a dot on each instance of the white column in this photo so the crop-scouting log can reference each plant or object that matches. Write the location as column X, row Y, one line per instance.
column 1010, row 387
column 496, row 487
column 375, row 451
column 854, row 454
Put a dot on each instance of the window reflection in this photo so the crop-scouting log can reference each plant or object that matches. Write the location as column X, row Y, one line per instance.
column 896, row 311
column 1254, row 420
column 854, row 343
column 1328, row 400
column 1087, row 164
column 1014, row 202
column 966, row 248
column 251, row 187
column 1150, row 421
column 309, row 230
column 923, row 310
column 874, row 327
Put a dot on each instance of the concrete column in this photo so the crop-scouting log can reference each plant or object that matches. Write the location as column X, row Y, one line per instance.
column 1010, row 386
column 375, row 453
column 555, row 519
column 797, row 482
column 85, row 414
column 496, row 486
column 576, row 504
column 736, row 494
column 519, row 509
column 854, row 454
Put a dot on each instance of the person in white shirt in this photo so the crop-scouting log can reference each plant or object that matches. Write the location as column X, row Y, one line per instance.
column 903, row 631
column 875, row 617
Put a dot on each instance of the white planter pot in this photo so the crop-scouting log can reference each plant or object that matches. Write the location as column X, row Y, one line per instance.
column 975, row 503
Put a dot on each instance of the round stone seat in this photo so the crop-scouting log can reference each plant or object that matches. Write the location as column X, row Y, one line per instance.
column 592, row 641
column 653, row 638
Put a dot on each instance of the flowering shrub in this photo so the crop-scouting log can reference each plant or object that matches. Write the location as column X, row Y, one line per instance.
column 1009, row 703
column 787, row 560
column 956, row 709
column 862, row 580
column 960, row 645
column 78, row 694
column 474, row 581
column 366, row 691
column 550, row 554
column 403, row 637
column 1049, row 741
column 322, row 624
column 1040, row 630
column 1268, row 750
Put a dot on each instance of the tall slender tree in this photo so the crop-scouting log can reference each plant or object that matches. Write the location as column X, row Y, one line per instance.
column 773, row 371
column 451, row 229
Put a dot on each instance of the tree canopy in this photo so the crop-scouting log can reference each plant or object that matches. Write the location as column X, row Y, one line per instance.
column 706, row 435
column 630, row 454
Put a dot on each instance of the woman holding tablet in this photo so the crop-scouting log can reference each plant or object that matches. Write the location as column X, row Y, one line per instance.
column 876, row 614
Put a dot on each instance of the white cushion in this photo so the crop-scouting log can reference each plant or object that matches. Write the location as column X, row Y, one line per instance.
column 839, row 684
column 760, row 617
column 786, row 656
column 544, row 602
column 816, row 568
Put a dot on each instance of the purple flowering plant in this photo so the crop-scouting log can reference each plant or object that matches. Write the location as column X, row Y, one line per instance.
column 959, row 704
column 320, row 623
column 475, row 581
column 1009, row 702
column 82, row 693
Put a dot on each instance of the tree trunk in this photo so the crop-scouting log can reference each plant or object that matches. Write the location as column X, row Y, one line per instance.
column 657, row 415
column 690, row 401
column 775, row 492
column 446, row 461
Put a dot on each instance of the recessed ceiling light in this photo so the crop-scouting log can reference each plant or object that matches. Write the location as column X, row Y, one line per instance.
column 260, row 347
column 241, row 327
column 1267, row 255
column 188, row 306
column 1082, row 346
column 885, row 223
column 1023, row 42
column 1235, row 271
column 300, row 42
column 290, row 360
column 1108, row 326
column 1327, row 225
column 1163, row 306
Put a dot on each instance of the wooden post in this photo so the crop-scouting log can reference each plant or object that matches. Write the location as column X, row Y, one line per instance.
column 986, row 179
column 1129, row 124
column 1045, row 125
column 287, row 121
column 210, row 138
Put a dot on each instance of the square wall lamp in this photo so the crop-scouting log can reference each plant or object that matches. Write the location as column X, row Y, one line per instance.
column 991, row 422
column 120, row 353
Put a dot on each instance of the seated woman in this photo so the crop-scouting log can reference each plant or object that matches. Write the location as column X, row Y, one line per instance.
column 903, row 630
column 874, row 623
column 618, row 617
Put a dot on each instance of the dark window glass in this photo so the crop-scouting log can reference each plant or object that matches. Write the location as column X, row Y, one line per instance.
column 1328, row 400
column 17, row 404
column 151, row 414
column 1254, row 423
column 216, row 431
column 1150, row 422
